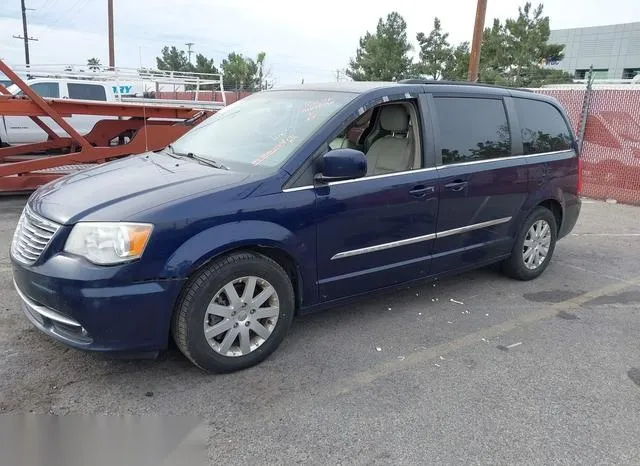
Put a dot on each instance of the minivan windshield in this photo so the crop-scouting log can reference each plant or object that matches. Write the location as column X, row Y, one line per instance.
column 262, row 130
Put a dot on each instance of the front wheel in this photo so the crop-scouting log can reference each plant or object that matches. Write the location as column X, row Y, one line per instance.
column 534, row 246
column 234, row 313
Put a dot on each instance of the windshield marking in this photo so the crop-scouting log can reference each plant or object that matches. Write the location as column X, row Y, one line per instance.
column 283, row 142
column 311, row 108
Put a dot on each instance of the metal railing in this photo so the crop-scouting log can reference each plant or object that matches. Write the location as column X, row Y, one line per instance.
column 150, row 80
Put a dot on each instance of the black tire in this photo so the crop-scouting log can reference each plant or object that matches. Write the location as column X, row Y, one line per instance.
column 514, row 266
column 188, row 320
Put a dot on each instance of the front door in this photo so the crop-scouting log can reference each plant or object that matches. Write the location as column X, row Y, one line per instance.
column 481, row 186
column 378, row 230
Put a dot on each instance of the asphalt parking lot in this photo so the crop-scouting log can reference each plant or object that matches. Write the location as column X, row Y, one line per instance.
column 540, row 372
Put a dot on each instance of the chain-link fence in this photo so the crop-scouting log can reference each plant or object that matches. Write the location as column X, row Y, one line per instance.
column 606, row 118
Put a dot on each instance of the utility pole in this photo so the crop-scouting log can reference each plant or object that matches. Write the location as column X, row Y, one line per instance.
column 189, row 51
column 112, row 53
column 478, row 29
column 25, row 35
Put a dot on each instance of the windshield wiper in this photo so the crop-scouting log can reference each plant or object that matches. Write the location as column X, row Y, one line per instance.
column 198, row 158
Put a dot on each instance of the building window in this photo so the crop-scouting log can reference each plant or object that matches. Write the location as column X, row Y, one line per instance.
column 597, row 74
column 630, row 73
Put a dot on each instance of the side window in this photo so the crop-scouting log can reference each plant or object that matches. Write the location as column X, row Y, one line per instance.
column 472, row 129
column 389, row 136
column 351, row 136
column 87, row 92
column 47, row 90
column 542, row 126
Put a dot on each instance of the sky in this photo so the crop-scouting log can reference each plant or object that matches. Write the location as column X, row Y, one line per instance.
column 307, row 40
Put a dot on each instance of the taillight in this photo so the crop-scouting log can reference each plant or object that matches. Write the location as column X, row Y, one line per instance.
column 579, row 188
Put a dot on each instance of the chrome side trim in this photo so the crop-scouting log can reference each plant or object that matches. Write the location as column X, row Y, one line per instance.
column 418, row 239
column 386, row 175
column 380, row 247
column 498, row 159
column 298, row 188
column 475, row 226
column 45, row 311
column 440, row 167
column 364, row 178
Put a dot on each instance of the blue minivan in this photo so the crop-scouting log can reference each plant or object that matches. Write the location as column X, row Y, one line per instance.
column 293, row 200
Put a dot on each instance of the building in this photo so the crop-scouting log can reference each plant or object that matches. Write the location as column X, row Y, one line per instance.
column 613, row 51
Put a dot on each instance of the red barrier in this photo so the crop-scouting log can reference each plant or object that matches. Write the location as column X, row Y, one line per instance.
column 611, row 150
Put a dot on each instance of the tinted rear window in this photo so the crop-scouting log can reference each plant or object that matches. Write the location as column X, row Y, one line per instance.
column 472, row 129
column 86, row 92
column 542, row 126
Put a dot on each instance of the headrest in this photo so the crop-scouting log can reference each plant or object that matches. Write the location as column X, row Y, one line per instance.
column 394, row 118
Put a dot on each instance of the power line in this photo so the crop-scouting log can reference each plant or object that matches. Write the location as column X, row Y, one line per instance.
column 25, row 35
column 189, row 51
column 64, row 15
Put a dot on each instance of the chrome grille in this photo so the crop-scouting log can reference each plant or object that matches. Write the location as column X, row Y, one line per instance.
column 31, row 237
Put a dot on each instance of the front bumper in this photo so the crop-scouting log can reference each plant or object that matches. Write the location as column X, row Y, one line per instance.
column 96, row 314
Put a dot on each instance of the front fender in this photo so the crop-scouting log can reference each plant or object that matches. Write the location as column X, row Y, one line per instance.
column 216, row 240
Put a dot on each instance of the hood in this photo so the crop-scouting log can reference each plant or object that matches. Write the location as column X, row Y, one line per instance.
column 118, row 190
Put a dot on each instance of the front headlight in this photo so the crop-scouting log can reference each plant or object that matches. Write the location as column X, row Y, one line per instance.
column 108, row 243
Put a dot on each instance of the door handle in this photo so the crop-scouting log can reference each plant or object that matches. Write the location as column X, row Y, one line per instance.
column 421, row 191
column 456, row 185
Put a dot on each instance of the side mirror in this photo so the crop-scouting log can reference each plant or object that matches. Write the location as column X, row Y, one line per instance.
column 342, row 164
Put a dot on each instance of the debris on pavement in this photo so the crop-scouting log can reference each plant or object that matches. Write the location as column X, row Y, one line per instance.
column 567, row 315
column 508, row 347
column 456, row 301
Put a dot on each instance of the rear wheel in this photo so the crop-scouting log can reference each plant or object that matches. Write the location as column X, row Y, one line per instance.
column 234, row 313
column 534, row 246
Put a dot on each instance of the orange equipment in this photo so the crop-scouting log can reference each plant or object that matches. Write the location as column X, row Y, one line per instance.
column 25, row 167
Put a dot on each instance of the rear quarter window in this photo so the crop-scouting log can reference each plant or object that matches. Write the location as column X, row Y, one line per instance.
column 87, row 92
column 542, row 127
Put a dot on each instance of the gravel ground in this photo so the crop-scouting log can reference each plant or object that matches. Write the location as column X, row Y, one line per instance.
column 540, row 372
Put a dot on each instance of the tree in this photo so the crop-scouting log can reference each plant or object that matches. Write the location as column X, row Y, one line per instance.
column 94, row 64
column 457, row 66
column 204, row 65
column 438, row 58
column 513, row 53
column 242, row 72
column 260, row 65
column 435, row 52
column 383, row 56
column 173, row 59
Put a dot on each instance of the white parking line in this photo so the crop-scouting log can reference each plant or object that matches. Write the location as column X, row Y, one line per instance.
column 605, row 234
